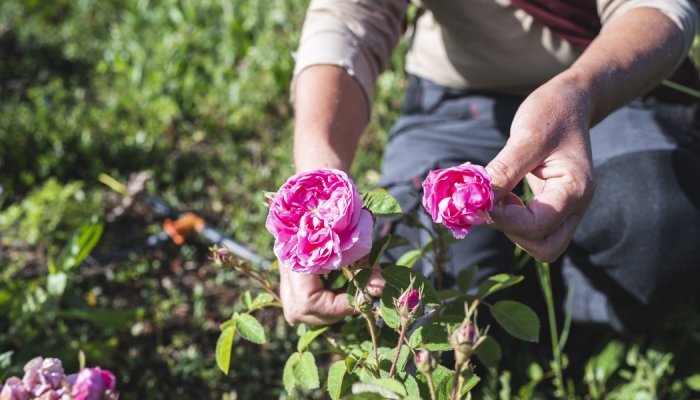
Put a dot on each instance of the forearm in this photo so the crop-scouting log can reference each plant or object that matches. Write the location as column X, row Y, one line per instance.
column 330, row 115
column 632, row 55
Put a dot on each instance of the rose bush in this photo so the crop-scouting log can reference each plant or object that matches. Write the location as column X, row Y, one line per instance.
column 318, row 222
column 459, row 197
column 45, row 379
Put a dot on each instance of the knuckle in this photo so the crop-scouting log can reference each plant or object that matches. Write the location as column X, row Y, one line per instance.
column 294, row 314
column 500, row 171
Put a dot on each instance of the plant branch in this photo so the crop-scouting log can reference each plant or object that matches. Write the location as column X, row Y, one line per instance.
column 546, row 286
column 402, row 335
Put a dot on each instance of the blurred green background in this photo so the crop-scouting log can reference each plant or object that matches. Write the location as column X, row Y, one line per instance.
column 197, row 92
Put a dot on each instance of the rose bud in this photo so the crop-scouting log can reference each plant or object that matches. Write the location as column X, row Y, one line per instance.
column 220, row 255
column 425, row 362
column 363, row 302
column 462, row 341
column 408, row 302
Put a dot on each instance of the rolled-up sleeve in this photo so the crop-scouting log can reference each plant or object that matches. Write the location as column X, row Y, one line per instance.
column 358, row 36
column 683, row 13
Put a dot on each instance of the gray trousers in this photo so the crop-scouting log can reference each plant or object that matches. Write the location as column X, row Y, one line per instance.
column 638, row 244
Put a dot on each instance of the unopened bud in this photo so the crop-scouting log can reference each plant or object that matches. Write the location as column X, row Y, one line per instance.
column 362, row 302
column 425, row 362
column 462, row 341
column 220, row 255
column 408, row 302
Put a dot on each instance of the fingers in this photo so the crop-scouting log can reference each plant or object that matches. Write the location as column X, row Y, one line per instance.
column 376, row 282
column 306, row 300
column 551, row 246
column 510, row 166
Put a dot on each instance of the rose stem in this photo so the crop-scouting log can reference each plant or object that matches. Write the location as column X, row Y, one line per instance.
column 402, row 334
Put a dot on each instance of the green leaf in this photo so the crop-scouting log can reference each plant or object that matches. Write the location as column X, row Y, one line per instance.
column 288, row 373
column 351, row 363
column 392, row 385
column 489, row 352
column 80, row 245
column 409, row 258
column 223, row 349
column 466, row 277
column 247, row 299
column 381, row 203
column 470, row 384
column 249, row 328
column 496, row 283
column 263, row 300
column 433, row 335
column 306, row 372
column 338, row 385
column 517, row 319
column 372, row 387
column 442, row 379
column 378, row 247
column 693, row 382
column 56, row 283
column 309, row 337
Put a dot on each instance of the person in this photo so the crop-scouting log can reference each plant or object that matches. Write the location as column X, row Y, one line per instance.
column 560, row 93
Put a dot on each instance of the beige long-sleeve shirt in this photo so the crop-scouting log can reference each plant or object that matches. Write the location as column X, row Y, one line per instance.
column 478, row 44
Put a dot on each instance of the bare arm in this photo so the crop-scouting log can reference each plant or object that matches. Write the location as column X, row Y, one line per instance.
column 549, row 143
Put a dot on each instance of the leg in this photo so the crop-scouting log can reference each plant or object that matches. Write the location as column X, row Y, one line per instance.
column 639, row 243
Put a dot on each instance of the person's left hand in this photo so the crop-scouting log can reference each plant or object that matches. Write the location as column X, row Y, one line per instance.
column 549, row 146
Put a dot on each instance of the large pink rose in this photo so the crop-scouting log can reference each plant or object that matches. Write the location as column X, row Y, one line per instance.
column 318, row 222
column 459, row 197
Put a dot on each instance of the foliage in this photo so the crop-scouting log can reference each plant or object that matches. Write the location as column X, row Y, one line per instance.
column 197, row 92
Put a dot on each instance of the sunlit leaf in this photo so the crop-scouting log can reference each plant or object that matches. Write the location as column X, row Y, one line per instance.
column 223, row 348
column 250, row 328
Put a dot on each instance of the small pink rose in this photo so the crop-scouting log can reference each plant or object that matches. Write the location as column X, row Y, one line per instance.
column 94, row 384
column 42, row 375
column 318, row 222
column 459, row 197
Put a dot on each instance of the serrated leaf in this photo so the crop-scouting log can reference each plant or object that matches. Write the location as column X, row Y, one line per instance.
column 409, row 258
column 306, row 372
column 378, row 248
column 380, row 203
column 496, row 283
column 442, row 379
column 309, row 337
column 433, row 335
column 223, row 348
column 466, row 277
column 517, row 319
column 489, row 352
column 288, row 373
column 337, row 382
column 250, row 328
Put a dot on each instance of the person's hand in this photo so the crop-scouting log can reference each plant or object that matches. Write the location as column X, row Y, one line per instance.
column 306, row 300
column 549, row 146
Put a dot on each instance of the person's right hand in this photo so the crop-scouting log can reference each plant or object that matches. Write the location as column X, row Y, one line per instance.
column 306, row 300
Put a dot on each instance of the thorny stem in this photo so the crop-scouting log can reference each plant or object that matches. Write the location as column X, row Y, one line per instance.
column 402, row 335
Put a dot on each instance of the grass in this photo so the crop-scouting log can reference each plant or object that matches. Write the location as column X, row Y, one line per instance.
column 196, row 92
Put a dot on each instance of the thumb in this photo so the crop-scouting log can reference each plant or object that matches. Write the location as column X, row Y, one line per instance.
column 511, row 164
